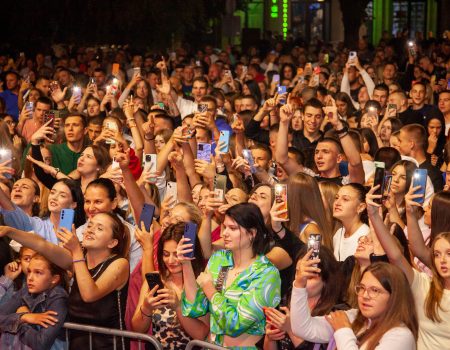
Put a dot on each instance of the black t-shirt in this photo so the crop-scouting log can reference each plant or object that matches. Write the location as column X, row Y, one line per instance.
column 337, row 180
column 410, row 116
column 427, row 112
column 434, row 174
column 300, row 142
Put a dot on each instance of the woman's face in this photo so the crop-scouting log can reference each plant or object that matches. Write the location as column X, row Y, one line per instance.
column 11, row 124
column 394, row 142
column 175, row 215
column 373, row 298
column 364, row 249
column 203, row 195
column 60, row 198
column 341, row 107
column 347, row 204
column 288, row 73
column 235, row 196
column 96, row 201
column 33, row 96
column 87, row 163
column 170, row 257
column 386, row 130
column 159, row 143
column 99, row 233
column 142, row 90
column 39, row 277
column 196, row 194
column 235, row 237
column 114, row 148
column 441, row 256
column 262, row 197
column 398, row 185
column 93, row 108
column 246, row 90
column 434, row 127
column 297, row 121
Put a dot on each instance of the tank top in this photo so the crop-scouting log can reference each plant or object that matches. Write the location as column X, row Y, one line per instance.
column 108, row 312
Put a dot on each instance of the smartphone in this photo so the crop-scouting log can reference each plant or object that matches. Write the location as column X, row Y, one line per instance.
column 244, row 70
column 29, row 106
column 115, row 164
column 220, row 186
column 149, row 162
column 202, row 107
column 420, row 179
column 224, row 140
column 412, row 52
column 111, row 126
column 276, row 78
column 326, row 58
column 154, row 279
column 92, row 81
column 204, row 152
column 115, row 69
column 66, row 218
column 148, row 211
column 308, row 67
column 282, row 90
column 281, row 197
column 314, row 240
column 162, row 105
column 172, row 190
column 198, row 64
column 190, row 231
column 6, row 155
column 137, row 70
column 387, row 186
column 379, row 179
column 352, row 55
column 392, row 106
column 249, row 158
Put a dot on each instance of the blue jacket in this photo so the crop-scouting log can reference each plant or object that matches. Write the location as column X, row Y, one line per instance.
column 19, row 335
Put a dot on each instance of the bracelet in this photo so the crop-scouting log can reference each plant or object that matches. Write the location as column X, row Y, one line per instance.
column 142, row 312
column 344, row 130
column 149, row 138
column 79, row 260
column 132, row 125
column 57, row 172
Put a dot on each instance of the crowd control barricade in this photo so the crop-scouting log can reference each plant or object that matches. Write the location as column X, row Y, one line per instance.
column 203, row 345
column 115, row 333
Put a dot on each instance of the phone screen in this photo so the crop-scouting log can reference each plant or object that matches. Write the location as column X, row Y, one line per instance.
column 281, row 197
column 154, row 279
column 420, row 179
column 379, row 179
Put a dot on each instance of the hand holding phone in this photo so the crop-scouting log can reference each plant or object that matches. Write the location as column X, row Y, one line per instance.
column 66, row 219
column 153, row 280
column 420, row 179
column 190, row 232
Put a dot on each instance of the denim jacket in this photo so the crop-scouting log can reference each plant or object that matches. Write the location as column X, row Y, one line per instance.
column 19, row 335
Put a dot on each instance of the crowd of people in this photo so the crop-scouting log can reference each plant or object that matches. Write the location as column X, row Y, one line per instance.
column 284, row 196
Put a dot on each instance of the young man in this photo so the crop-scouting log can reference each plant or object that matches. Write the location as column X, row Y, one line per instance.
column 10, row 95
column 413, row 140
column 418, row 94
column 26, row 126
column 185, row 106
column 444, row 107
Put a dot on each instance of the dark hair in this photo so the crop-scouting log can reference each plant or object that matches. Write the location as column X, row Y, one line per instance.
column 254, row 90
column 441, row 137
column 77, row 197
column 362, row 191
column 314, row 103
column 298, row 155
column 79, row 115
column 44, row 100
column 108, row 186
column 248, row 216
column 97, row 120
column 175, row 232
column 440, row 220
column 344, row 97
column 329, row 272
column 54, row 270
column 334, row 142
column 388, row 155
column 102, row 157
column 263, row 147
column 382, row 87
column 409, row 170
column 371, row 139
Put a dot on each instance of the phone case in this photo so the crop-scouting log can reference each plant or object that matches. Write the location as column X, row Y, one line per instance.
column 190, row 231
column 387, row 186
column 379, row 179
column 204, row 152
column 202, row 107
column 220, row 186
column 314, row 240
column 147, row 213
column 281, row 197
column 154, row 279
column 172, row 190
column 6, row 155
column 420, row 179
column 150, row 162
column 225, row 138
column 249, row 158
column 66, row 219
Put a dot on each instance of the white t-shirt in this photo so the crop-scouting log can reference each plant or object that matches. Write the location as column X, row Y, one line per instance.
column 346, row 246
column 432, row 335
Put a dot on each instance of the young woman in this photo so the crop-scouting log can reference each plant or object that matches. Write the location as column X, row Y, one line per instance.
column 431, row 294
column 384, row 318
column 350, row 209
column 435, row 128
column 238, row 282
column 322, row 297
column 160, row 309
column 387, row 128
column 98, row 293
column 35, row 316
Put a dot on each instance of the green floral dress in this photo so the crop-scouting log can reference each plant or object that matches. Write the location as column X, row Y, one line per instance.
column 237, row 309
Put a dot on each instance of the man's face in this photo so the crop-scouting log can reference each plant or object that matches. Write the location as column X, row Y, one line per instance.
column 152, row 80
column 93, row 108
column 312, row 119
column 405, row 145
column 424, row 63
column 326, row 156
column 100, row 78
column 396, row 100
column 380, row 96
column 444, row 102
column 94, row 131
column 137, row 61
column 64, row 78
column 214, row 72
column 161, row 123
column 74, row 129
column 44, row 86
column 40, row 110
column 418, row 94
column 389, row 72
column 247, row 104
column 188, row 74
column 363, row 95
column 11, row 81
column 261, row 158
column 198, row 90
column 202, row 136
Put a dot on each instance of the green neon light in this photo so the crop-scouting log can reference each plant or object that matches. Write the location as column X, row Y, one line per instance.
column 274, row 9
column 285, row 18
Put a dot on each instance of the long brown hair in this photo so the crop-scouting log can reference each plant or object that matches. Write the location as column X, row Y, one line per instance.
column 434, row 296
column 121, row 233
column 305, row 202
column 399, row 308
column 329, row 190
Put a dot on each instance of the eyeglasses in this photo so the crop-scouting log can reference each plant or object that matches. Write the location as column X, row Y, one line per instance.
column 372, row 292
column 365, row 240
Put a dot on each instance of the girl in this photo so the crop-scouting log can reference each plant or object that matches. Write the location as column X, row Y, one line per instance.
column 160, row 308
column 237, row 282
column 35, row 316
column 350, row 200
column 384, row 318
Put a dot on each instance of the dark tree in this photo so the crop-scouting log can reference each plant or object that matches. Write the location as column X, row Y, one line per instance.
column 353, row 14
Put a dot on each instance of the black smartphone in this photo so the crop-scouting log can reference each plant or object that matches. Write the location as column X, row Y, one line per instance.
column 154, row 279
column 190, row 231
column 148, row 211
column 379, row 179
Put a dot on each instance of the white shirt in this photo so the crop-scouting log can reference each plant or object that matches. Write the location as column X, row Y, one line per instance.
column 186, row 107
column 346, row 246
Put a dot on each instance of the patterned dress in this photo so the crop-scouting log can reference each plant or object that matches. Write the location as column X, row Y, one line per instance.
column 237, row 309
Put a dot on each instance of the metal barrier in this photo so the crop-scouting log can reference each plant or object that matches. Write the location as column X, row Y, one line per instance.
column 140, row 337
column 203, row 345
